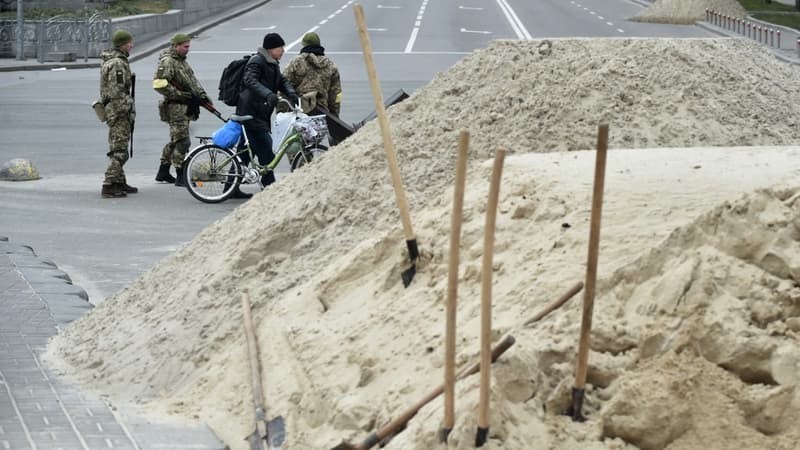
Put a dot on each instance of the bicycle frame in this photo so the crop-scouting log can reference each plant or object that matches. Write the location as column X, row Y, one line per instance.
column 292, row 138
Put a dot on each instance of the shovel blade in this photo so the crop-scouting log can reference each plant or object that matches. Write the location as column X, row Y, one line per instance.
column 408, row 275
column 276, row 433
column 273, row 440
column 256, row 441
column 346, row 446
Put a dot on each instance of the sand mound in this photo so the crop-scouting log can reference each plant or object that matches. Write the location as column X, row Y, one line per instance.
column 688, row 11
column 345, row 347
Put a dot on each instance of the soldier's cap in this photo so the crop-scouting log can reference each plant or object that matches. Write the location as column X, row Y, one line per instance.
column 180, row 38
column 121, row 37
column 310, row 38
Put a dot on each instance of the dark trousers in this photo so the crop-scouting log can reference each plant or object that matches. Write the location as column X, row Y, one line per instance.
column 261, row 144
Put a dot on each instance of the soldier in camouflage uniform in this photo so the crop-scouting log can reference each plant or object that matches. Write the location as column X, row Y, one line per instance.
column 312, row 71
column 175, row 80
column 115, row 95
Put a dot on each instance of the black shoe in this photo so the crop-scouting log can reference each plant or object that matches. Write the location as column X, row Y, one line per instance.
column 163, row 174
column 239, row 194
column 180, row 180
column 128, row 189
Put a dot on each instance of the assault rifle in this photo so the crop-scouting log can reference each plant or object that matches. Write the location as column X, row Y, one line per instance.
column 133, row 98
column 196, row 100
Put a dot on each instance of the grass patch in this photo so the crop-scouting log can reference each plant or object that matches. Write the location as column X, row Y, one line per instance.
column 774, row 12
column 118, row 8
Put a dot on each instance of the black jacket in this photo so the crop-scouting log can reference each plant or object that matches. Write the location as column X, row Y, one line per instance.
column 262, row 77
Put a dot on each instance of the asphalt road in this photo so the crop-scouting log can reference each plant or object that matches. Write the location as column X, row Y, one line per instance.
column 105, row 244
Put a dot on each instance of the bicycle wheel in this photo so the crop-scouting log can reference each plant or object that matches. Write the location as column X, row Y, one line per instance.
column 212, row 173
column 307, row 155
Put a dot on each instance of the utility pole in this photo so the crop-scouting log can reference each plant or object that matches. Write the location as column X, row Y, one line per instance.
column 21, row 32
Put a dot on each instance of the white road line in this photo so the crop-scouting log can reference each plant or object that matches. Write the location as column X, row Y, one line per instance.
column 301, row 6
column 417, row 25
column 609, row 24
column 512, row 18
column 413, row 38
column 620, row 30
column 601, row 17
column 471, row 8
column 388, row 7
column 271, row 27
column 377, row 29
column 464, row 30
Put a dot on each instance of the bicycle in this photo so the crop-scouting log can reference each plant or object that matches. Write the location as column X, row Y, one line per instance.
column 213, row 173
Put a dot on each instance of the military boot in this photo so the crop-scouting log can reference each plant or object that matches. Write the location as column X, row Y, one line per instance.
column 112, row 191
column 180, row 180
column 163, row 174
column 127, row 188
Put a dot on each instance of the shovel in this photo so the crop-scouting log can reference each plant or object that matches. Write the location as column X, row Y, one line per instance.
column 486, row 299
column 267, row 435
column 578, row 390
column 452, row 288
column 388, row 146
column 400, row 422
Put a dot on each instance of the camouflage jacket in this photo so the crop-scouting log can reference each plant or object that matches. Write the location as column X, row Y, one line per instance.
column 312, row 71
column 115, row 85
column 175, row 80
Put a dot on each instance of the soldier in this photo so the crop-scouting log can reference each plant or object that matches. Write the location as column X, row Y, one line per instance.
column 312, row 71
column 175, row 80
column 115, row 95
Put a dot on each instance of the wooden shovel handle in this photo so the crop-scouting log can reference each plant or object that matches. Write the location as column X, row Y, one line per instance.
column 452, row 281
column 591, row 265
column 252, row 352
column 388, row 146
column 486, row 289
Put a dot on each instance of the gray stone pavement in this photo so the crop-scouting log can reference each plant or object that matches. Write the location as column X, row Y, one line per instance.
column 38, row 410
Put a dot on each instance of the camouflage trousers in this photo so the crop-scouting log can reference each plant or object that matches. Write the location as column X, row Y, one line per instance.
column 119, row 135
column 179, row 142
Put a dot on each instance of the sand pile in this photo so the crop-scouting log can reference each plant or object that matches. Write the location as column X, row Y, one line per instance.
column 688, row 11
column 345, row 347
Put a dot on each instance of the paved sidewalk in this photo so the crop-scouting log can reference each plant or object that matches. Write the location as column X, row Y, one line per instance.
column 39, row 411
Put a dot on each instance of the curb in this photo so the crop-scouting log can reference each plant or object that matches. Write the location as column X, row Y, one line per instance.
column 154, row 44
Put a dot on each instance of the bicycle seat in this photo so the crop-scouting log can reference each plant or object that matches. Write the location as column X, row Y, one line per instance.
column 240, row 119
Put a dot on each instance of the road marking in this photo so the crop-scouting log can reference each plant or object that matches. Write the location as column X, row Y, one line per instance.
column 18, row 413
column 301, row 6
column 516, row 24
column 388, row 7
column 620, row 30
column 417, row 25
column 377, row 29
column 271, row 27
column 609, row 24
column 464, row 30
column 471, row 8
column 601, row 17
column 411, row 40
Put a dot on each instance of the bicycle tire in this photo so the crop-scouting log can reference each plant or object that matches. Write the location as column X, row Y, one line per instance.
column 307, row 155
column 212, row 173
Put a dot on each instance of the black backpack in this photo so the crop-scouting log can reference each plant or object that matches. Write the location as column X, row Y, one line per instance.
column 230, row 82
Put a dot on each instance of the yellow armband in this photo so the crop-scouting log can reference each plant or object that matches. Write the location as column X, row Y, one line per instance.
column 339, row 97
column 159, row 83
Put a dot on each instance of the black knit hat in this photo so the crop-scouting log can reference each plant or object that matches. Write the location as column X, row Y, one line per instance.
column 273, row 40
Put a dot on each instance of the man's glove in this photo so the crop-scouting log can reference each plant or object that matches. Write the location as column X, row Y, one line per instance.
column 205, row 99
column 293, row 99
column 272, row 101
